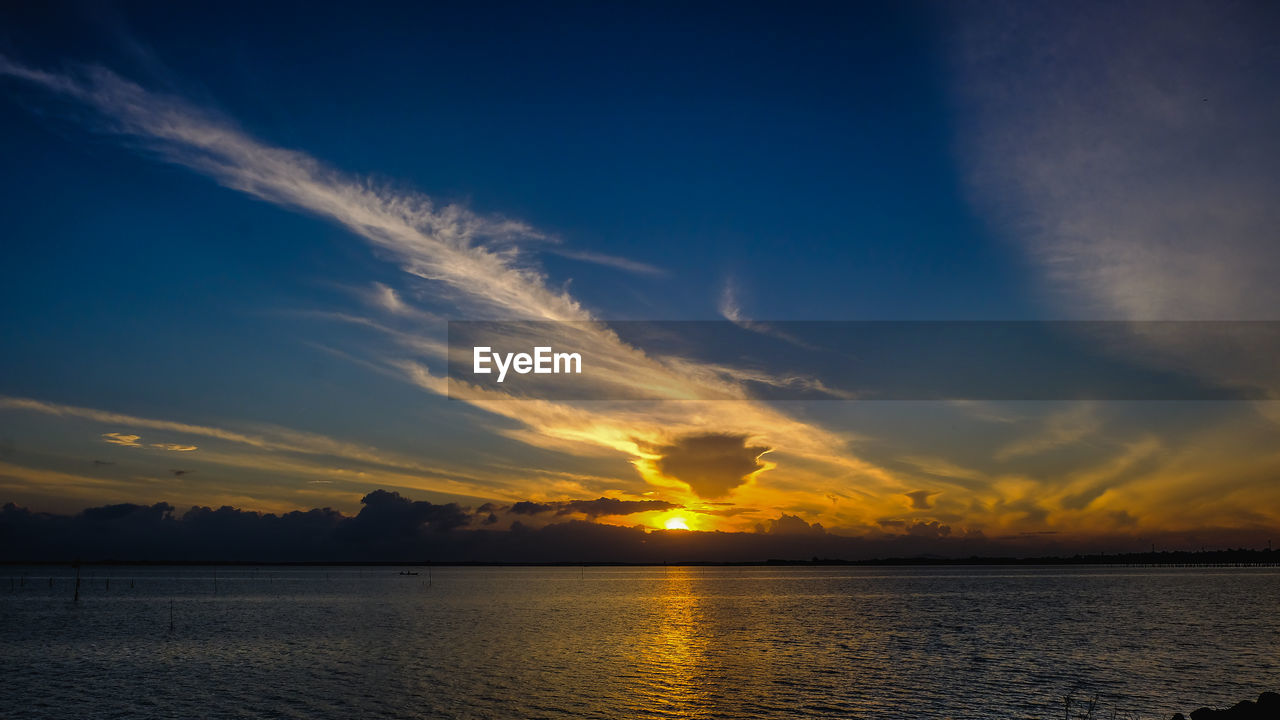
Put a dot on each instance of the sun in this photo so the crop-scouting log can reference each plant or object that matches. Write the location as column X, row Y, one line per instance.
column 677, row 523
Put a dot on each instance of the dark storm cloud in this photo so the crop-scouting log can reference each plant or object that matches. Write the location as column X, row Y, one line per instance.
column 528, row 507
column 711, row 464
column 916, row 528
column 613, row 506
column 388, row 526
column 931, row 529
column 790, row 525
column 387, row 516
column 1084, row 498
column 591, row 508
column 920, row 498
column 599, row 507
column 127, row 515
column 1123, row 518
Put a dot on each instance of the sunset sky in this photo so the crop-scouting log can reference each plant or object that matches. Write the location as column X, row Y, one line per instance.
column 233, row 242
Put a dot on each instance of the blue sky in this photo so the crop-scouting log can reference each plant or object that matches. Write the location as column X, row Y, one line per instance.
column 842, row 161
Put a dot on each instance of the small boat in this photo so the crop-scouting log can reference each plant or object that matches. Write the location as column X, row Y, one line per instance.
column 406, row 572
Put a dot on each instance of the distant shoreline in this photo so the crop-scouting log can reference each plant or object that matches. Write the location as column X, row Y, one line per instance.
column 1207, row 559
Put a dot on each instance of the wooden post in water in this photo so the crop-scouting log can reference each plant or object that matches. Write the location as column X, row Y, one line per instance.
column 171, row 615
column 76, row 598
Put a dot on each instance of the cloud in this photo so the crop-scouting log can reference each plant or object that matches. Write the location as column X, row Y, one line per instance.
column 932, row 529
column 920, row 498
column 1130, row 147
column 438, row 243
column 1133, row 461
column 1123, row 518
column 728, row 511
column 418, row 344
column 388, row 517
column 174, row 447
column 272, row 441
column 388, row 299
column 599, row 507
column 712, row 464
column 613, row 261
column 122, row 439
column 391, row 301
column 917, row 528
column 129, row 440
column 791, row 525
column 1060, row 429
column 475, row 263
column 729, row 306
column 393, row 528
column 528, row 507
column 731, row 309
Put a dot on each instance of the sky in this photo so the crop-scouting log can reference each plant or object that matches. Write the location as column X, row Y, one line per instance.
column 235, row 236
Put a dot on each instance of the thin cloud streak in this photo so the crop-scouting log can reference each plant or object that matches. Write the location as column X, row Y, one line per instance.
column 613, row 261
column 730, row 309
column 270, row 441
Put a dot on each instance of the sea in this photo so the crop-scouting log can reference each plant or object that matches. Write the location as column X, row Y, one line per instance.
column 634, row 642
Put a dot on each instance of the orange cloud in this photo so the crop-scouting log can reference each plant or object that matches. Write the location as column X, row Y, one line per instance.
column 122, row 439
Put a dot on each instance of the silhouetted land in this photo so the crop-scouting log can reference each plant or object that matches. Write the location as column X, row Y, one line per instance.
column 1209, row 558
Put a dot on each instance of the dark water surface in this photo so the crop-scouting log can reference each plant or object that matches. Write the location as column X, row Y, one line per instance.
column 758, row 642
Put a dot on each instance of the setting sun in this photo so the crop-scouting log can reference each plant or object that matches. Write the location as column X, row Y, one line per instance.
column 677, row 523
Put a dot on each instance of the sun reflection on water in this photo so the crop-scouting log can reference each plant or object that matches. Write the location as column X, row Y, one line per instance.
column 672, row 654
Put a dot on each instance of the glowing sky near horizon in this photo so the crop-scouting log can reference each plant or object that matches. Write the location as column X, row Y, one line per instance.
column 231, row 252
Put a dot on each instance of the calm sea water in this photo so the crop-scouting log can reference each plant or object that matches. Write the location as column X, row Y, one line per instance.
column 510, row 643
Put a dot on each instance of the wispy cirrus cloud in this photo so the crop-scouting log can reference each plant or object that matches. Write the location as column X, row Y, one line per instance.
column 613, row 261
column 287, row 451
column 730, row 308
column 472, row 261
column 284, row 439
column 1061, row 428
column 443, row 244
column 1130, row 148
